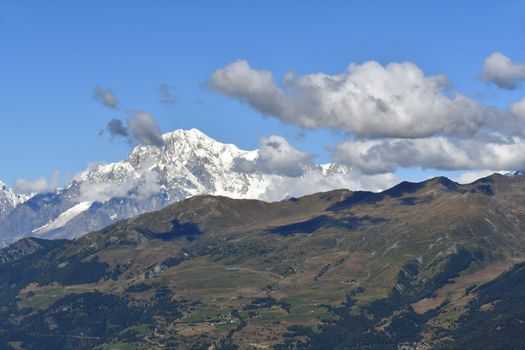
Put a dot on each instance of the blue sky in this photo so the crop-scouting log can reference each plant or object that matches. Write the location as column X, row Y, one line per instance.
column 54, row 53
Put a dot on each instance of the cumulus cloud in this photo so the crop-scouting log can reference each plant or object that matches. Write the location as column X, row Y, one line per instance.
column 501, row 71
column 102, row 192
column 141, row 128
column 106, row 97
column 275, row 156
column 39, row 185
column 367, row 100
column 166, row 94
column 518, row 108
column 395, row 116
column 256, row 88
column 384, row 156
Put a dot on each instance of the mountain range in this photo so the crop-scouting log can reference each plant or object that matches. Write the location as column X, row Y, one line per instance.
column 188, row 163
column 430, row 265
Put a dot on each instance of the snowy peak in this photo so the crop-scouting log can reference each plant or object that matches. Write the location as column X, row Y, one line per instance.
column 191, row 163
column 192, row 136
column 182, row 146
column 9, row 199
column 188, row 163
column 334, row 168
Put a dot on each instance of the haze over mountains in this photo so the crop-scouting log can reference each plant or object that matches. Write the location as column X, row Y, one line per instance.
column 187, row 163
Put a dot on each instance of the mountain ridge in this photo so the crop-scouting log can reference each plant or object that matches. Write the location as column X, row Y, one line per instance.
column 332, row 270
column 188, row 163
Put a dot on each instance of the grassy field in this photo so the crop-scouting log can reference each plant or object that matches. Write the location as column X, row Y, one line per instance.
column 40, row 297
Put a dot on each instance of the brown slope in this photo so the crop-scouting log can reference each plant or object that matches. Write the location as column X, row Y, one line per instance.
column 317, row 249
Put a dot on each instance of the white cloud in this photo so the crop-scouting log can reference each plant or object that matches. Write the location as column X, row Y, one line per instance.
column 39, row 185
column 383, row 156
column 138, row 184
column 102, row 192
column 518, row 108
column 256, row 88
column 139, row 187
column 396, row 116
column 367, row 100
column 501, row 71
column 275, row 156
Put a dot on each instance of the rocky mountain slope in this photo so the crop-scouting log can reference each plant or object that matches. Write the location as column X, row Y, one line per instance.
column 188, row 163
column 22, row 248
column 419, row 266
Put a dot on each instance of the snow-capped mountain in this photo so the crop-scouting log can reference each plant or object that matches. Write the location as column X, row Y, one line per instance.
column 9, row 199
column 188, row 163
